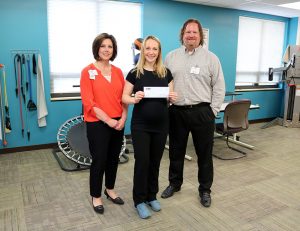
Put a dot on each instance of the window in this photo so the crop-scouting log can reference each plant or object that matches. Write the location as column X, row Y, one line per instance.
column 72, row 27
column 260, row 46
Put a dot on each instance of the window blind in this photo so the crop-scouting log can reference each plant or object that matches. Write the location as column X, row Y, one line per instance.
column 72, row 27
column 260, row 46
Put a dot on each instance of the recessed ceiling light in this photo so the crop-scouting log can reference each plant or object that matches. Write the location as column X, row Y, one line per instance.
column 294, row 5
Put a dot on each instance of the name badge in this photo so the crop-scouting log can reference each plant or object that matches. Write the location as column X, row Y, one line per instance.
column 92, row 74
column 195, row 70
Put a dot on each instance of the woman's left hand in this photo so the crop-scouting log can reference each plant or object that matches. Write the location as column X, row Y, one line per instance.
column 173, row 96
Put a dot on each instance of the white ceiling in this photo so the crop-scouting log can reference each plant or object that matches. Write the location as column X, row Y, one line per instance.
column 260, row 6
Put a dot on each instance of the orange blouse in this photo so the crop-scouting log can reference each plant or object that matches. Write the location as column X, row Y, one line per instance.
column 96, row 91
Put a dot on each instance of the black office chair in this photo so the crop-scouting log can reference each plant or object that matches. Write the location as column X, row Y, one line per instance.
column 235, row 120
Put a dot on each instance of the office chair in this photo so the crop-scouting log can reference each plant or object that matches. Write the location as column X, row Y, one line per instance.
column 235, row 120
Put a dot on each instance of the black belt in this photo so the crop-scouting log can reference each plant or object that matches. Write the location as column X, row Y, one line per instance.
column 191, row 106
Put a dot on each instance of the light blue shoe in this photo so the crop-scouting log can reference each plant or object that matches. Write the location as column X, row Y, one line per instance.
column 143, row 211
column 154, row 205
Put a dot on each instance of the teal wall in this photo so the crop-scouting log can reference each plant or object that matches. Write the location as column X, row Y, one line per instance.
column 292, row 31
column 24, row 26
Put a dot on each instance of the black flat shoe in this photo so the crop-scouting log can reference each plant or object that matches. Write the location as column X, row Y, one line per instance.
column 98, row 208
column 117, row 200
column 169, row 191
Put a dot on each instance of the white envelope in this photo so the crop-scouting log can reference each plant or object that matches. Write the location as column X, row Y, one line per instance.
column 156, row 92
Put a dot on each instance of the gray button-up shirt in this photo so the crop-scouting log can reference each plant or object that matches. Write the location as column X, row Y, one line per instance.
column 198, row 77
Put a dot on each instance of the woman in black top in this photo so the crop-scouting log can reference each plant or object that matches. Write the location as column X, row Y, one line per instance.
column 149, row 124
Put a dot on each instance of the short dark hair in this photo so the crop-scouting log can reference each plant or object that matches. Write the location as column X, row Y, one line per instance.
column 99, row 40
column 192, row 20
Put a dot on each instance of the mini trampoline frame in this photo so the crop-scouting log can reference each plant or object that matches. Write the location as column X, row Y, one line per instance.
column 83, row 161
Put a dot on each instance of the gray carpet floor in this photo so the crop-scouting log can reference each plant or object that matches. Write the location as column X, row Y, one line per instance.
column 258, row 192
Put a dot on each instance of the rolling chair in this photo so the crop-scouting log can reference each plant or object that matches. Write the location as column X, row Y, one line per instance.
column 235, row 120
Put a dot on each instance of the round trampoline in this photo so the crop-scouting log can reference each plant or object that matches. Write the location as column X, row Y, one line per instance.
column 73, row 143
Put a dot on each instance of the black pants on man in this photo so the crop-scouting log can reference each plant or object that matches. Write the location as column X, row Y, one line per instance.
column 200, row 121
column 105, row 144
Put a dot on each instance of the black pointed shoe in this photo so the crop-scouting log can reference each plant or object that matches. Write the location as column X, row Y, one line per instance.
column 98, row 208
column 205, row 199
column 117, row 200
column 169, row 191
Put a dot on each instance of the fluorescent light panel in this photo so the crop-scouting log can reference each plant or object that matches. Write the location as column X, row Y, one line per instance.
column 294, row 5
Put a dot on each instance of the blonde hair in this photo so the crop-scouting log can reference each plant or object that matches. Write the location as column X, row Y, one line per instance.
column 159, row 67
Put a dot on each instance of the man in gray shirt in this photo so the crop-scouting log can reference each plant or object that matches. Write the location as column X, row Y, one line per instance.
column 199, row 83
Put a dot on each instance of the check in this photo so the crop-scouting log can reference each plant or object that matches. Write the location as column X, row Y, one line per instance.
column 156, row 92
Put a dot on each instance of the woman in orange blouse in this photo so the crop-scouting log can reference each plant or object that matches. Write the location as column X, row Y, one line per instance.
column 101, row 87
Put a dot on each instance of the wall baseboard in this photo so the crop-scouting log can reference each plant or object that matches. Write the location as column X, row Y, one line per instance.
column 261, row 120
column 28, row 148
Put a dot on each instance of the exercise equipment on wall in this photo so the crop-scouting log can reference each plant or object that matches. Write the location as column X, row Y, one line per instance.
column 6, row 107
column 2, row 128
column 25, row 88
column 5, row 126
column 23, row 82
column 291, row 79
column 19, row 88
column 30, row 105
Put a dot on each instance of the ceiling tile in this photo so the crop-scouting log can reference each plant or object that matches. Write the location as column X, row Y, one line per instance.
column 260, row 6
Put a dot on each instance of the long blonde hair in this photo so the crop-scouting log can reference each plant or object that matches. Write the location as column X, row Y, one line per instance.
column 159, row 67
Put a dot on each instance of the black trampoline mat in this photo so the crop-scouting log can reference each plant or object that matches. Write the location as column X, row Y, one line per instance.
column 77, row 139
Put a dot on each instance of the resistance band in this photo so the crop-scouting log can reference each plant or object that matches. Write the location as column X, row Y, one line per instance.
column 18, row 70
column 23, row 77
column 30, row 105
column 34, row 64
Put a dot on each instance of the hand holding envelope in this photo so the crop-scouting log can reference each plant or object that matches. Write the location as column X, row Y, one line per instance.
column 138, row 96
column 173, row 96
column 160, row 92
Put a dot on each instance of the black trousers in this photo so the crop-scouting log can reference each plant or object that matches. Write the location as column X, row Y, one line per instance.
column 200, row 121
column 148, row 150
column 105, row 144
